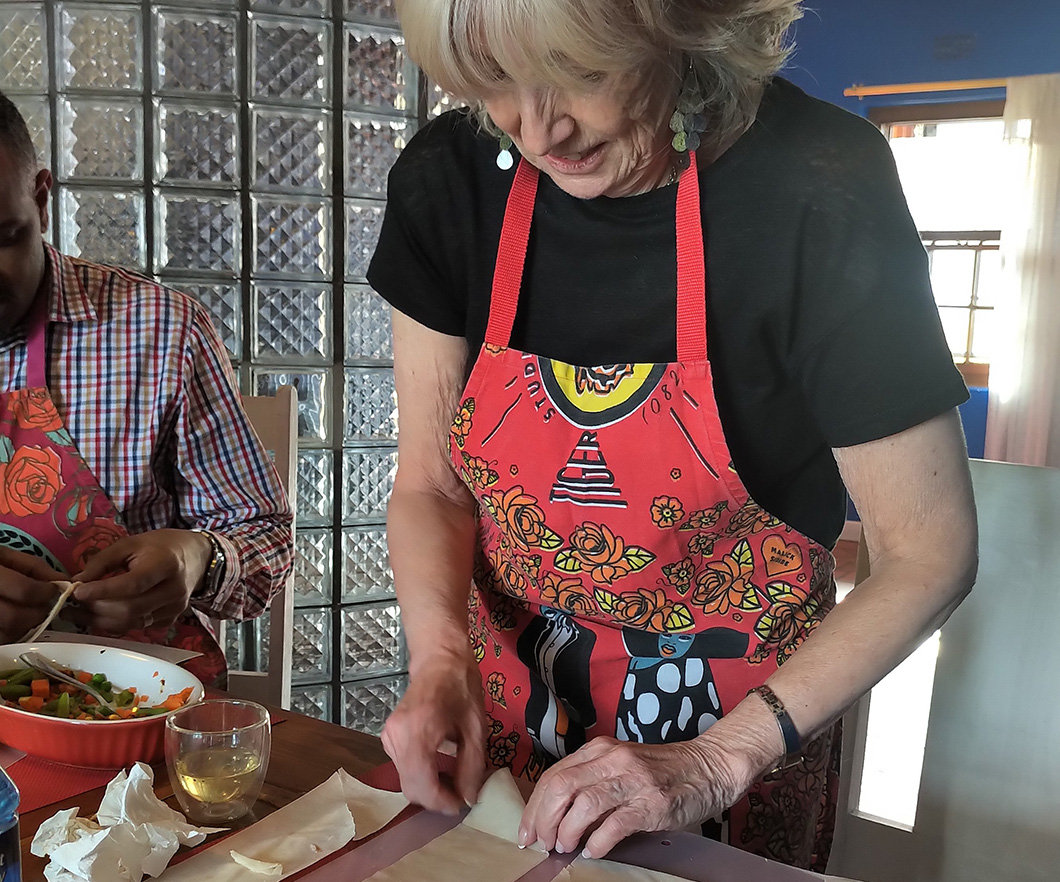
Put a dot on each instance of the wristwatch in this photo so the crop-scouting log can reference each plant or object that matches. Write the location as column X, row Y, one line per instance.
column 215, row 570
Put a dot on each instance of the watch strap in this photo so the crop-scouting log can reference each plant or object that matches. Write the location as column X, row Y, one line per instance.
column 215, row 570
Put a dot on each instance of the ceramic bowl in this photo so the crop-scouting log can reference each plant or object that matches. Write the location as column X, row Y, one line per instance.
column 99, row 744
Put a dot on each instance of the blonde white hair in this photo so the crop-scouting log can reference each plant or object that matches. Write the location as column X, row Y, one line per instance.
column 724, row 50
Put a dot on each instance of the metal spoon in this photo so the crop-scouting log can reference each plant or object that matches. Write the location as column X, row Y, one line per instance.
column 39, row 663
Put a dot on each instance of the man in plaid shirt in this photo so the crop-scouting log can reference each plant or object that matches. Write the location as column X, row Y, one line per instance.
column 145, row 481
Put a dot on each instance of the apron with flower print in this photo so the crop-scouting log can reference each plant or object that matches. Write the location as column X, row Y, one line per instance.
column 625, row 583
column 52, row 506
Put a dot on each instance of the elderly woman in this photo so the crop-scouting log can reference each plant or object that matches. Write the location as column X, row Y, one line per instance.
column 654, row 307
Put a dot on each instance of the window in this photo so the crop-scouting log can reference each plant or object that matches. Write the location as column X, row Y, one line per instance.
column 949, row 158
column 238, row 150
column 964, row 277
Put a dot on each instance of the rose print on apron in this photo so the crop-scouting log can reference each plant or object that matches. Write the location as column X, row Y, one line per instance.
column 52, row 506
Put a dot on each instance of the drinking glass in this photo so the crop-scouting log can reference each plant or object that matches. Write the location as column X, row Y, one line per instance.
column 217, row 753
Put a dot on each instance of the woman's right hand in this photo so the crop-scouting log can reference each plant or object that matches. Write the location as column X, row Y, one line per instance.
column 431, row 530
column 443, row 702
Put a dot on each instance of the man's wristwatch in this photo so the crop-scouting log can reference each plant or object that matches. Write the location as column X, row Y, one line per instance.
column 215, row 570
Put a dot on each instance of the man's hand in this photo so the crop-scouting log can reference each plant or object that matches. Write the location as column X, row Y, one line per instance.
column 27, row 592
column 143, row 580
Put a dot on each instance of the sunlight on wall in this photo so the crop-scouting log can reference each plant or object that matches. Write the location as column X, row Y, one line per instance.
column 896, row 737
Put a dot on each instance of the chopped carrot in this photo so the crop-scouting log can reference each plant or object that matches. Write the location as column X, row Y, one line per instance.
column 40, row 688
column 89, row 699
column 83, row 676
column 144, row 699
column 177, row 699
column 31, row 703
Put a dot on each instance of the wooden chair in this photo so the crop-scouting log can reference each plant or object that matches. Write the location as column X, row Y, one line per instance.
column 275, row 419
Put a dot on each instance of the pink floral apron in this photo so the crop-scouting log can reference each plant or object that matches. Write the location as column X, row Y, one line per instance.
column 626, row 583
column 52, row 506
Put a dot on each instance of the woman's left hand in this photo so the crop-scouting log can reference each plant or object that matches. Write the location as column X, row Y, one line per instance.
column 620, row 788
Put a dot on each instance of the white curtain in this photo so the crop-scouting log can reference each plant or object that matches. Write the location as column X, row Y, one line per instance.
column 1023, row 420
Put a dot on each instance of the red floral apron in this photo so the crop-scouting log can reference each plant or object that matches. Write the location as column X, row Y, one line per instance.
column 52, row 506
column 626, row 584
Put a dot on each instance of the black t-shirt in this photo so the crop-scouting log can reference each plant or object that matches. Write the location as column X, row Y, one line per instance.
column 822, row 329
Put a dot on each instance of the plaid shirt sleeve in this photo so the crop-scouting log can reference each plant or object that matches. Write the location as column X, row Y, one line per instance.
column 225, row 482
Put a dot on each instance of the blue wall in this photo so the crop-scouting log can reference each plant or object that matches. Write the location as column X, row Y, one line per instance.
column 973, row 416
column 876, row 42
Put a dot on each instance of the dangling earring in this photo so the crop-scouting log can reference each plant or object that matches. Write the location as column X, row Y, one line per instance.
column 688, row 121
column 504, row 157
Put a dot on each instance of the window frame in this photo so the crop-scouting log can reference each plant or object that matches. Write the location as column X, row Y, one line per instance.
column 975, row 373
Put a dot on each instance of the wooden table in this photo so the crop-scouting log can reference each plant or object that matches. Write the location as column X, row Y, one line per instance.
column 305, row 753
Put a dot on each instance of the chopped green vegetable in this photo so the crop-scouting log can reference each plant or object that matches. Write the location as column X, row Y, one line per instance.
column 65, row 701
column 21, row 677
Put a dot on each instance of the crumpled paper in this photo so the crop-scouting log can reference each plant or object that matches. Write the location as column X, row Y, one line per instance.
column 134, row 833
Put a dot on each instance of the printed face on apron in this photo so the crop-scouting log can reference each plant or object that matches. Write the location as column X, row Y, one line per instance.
column 626, row 584
column 53, row 507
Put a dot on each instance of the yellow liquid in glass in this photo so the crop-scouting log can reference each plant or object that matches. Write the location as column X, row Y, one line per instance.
column 218, row 774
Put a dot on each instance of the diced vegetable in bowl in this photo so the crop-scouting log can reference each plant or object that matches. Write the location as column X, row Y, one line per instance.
column 57, row 721
column 33, row 691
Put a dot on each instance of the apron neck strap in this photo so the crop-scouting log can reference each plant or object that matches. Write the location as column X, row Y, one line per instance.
column 511, row 255
column 36, row 344
column 691, row 270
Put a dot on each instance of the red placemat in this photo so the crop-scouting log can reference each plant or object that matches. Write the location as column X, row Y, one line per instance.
column 41, row 782
column 385, row 777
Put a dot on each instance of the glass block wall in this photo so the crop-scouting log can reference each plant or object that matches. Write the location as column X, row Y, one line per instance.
column 238, row 150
